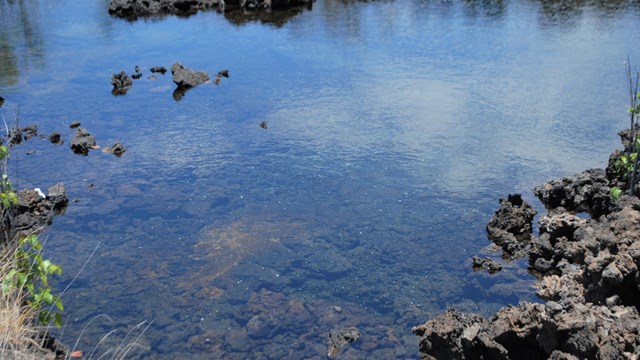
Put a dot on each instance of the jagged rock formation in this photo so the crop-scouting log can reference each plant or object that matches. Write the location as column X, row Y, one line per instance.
column 589, row 280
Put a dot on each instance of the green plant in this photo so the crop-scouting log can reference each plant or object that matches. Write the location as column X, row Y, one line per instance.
column 625, row 163
column 30, row 273
column 630, row 160
column 33, row 274
column 615, row 193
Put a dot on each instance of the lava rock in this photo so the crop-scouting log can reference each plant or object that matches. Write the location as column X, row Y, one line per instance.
column 133, row 9
column 223, row 73
column 511, row 227
column 121, row 83
column 82, row 142
column 339, row 339
column 58, row 195
column 15, row 136
column 116, row 149
column 30, row 131
column 584, row 192
column 55, row 138
column 159, row 69
column 186, row 78
column 486, row 263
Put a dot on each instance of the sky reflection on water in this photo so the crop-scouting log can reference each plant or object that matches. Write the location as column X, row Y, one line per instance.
column 393, row 128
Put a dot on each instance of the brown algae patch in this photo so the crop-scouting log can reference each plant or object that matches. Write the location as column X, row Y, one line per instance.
column 225, row 246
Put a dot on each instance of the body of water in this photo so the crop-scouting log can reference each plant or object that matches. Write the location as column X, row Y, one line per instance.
column 393, row 127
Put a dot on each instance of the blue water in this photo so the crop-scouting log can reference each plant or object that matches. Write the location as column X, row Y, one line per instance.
column 393, row 127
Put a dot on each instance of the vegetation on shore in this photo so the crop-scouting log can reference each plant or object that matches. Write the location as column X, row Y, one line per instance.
column 627, row 163
column 27, row 303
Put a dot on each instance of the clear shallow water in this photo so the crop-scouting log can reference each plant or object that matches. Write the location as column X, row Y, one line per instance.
column 393, row 128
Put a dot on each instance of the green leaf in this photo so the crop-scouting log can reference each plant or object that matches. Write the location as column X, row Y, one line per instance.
column 57, row 319
column 22, row 279
column 59, row 304
column 615, row 193
column 47, row 297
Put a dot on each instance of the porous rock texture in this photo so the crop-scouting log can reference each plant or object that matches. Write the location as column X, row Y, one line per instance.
column 589, row 280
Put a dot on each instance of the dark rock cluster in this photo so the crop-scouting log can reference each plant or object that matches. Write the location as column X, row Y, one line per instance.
column 589, row 280
column 133, row 9
column 34, row 209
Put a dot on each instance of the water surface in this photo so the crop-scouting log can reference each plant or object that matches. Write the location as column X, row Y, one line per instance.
column 393, row 127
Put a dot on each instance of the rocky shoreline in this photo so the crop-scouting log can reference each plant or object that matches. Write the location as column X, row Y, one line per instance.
column 133, row 9
column 586, row 258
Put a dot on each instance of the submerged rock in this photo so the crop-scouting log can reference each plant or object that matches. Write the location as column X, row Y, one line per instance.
column 339, row 339
column 1, row 101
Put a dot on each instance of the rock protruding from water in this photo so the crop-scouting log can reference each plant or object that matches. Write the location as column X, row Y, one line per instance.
column 34, row 209
column 488, row 264
column 55, row 138
column 186, row 79
column 586, row 192
column 121, row 83
column 82, row 141
column 534, row 331
column 511, row 227
column 589, row 278
column 133, row 9
column 57, row 194
column 116, row 149
column 158, row 69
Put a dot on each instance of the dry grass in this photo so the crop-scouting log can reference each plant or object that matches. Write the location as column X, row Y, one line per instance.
column 18, row 321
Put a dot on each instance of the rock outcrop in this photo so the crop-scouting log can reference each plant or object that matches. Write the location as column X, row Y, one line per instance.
column 589, row 280
column 134, row 9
